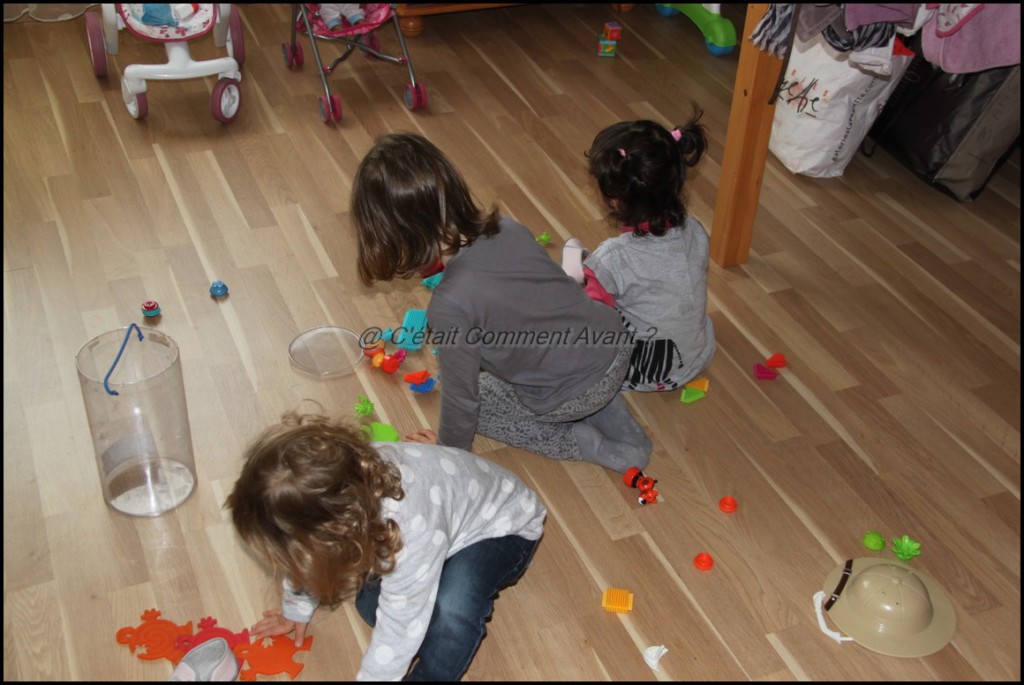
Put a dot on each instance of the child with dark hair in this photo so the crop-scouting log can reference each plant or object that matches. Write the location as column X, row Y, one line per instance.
column 655, row 272
column 525, row 356
column 421, row 536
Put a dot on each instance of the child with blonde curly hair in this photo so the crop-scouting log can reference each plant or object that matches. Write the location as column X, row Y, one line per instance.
column 421, row 536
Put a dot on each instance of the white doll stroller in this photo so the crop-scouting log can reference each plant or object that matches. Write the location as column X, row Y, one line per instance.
column 173, row 25
column 306, row 19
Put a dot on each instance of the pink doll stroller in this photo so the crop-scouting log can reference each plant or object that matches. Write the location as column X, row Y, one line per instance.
column 306, row 19
column 173, row 25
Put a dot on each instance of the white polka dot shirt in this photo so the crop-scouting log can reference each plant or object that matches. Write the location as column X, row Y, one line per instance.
column 452, row 500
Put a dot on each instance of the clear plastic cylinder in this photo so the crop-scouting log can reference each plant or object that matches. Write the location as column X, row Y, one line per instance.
column 141, row 435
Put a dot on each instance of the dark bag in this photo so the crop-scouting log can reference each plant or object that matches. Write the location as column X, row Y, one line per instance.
column 952, row 130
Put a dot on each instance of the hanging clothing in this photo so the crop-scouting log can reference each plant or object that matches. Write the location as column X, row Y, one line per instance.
column 965, row 39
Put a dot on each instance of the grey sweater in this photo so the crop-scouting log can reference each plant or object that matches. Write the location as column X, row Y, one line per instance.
column 660, row 284
column 504, row 306
column 453, row 499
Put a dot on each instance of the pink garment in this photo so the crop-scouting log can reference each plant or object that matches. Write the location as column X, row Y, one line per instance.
column 593, row 288
column 964, row 39
column 859, row 14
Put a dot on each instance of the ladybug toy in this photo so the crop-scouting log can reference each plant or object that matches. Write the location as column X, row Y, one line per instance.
column 635, row 478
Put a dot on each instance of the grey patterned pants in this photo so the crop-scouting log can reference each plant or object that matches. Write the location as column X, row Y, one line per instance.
column 504, row 418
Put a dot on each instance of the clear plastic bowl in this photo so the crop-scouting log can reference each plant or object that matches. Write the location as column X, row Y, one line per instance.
column 326, row 351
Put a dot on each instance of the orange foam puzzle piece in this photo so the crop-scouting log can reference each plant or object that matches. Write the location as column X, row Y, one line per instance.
column 157, row 637
column 208, row 629
column 277, row 658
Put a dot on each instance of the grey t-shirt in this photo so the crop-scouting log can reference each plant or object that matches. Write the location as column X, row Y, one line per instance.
column 504, row 306
column 660, row 284
column 453, row 499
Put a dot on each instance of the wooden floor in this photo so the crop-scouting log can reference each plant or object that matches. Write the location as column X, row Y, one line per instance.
column 897, row 307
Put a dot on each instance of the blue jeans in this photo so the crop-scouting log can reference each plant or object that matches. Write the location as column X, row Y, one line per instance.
column 470, row 582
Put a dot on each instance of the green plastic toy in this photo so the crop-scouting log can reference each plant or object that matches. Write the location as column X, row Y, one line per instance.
column 381, row 432
column 544, row 238
column 905, row 548
column 364, row 407
column 874, row 540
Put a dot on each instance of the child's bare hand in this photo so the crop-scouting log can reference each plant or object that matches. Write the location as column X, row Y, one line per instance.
column 423, row 435
column 274, row 623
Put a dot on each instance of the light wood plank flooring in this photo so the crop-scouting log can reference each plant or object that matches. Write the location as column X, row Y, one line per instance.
column 897, row 307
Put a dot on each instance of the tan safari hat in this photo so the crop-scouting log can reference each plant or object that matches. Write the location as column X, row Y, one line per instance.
column 889, row 607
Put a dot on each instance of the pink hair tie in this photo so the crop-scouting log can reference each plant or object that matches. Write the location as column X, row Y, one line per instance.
column 676, row 134
column 622, row 151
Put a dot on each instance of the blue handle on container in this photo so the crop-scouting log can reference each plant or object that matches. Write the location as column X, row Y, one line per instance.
column 118, row 357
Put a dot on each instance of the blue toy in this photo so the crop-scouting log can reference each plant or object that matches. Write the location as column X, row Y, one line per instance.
column 424, row 387
column 431, row 281
column 410, row 335
column 218, row 289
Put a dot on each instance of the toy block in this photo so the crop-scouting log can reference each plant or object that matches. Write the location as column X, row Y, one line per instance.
column 617, row 600
column 763, row 373
column 410, row 335
column 416, row 377
column 425, row 386
column 606, row 48
column 776, row 361
column 612, row 30
column 702, row 384
column 431, row 282
column 691, row 395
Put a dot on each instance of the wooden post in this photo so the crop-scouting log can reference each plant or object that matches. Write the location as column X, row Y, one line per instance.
column 746, row 147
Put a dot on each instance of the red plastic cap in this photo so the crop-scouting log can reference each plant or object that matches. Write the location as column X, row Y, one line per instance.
column 631, row 475
column 703, row 561
column 727, row 504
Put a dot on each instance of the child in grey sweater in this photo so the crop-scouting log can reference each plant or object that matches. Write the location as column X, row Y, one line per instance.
column 525, row 356
column 656, row 272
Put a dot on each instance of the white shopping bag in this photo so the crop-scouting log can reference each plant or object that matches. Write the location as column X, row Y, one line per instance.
column 826, row 106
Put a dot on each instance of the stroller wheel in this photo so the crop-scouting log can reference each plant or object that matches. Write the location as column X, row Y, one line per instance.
column 292, row 58
column 97, row 50
column 335, row 107
column 415, row 96
column 138, row 106
column 225, row 100
column 236, row 37
column 325, row 109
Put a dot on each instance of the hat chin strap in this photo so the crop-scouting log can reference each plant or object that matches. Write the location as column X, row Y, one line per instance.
column 819, row 602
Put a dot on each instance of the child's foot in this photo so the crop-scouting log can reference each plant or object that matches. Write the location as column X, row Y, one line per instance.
column 618, row 424
column 356, row 17
column 597, row 449
column 573, row 254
